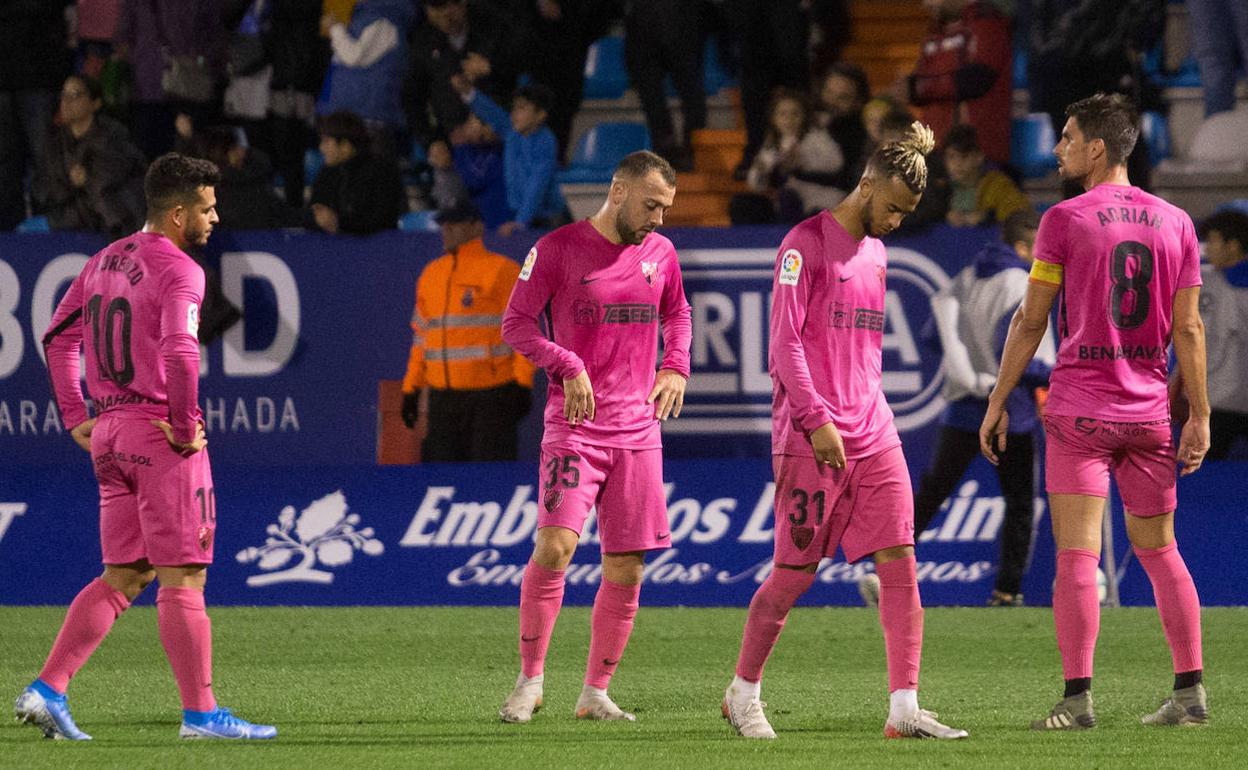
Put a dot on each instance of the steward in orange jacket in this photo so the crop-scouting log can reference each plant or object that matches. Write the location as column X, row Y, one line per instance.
column 479, row 388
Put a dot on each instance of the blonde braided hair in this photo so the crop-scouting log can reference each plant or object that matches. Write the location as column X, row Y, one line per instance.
column 906, row 157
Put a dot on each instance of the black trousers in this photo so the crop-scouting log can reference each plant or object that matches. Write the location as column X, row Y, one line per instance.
column 471, row 426
column 772, row 36
column 954, row 453
column 662, row 36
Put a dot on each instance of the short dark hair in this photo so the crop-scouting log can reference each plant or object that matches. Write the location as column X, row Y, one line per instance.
column 536, row 94
column 1112, row 118
column 95, row 90
column 1016, row 226
column 215, row 142
column 345, row 125
column 175, row 180
column 962, row 138
column 854, row 74
column 1231, row 225
column 642, row 162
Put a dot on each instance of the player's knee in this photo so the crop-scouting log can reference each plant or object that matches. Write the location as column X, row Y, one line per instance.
column 554, row 549
column 129, row 582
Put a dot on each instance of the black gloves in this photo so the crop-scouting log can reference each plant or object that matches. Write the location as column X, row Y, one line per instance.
column 411, row 409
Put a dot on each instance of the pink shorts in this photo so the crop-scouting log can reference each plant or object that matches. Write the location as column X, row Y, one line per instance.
column 865, row 507
column 625, row 484
column 154, row 503
column 1079, row 452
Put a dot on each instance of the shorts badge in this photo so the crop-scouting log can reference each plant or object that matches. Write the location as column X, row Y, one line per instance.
column 552, row 499
column 205, row 537
column 802, row 537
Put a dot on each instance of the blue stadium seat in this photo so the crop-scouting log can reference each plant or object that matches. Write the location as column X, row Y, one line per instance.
column 1020, row 67
column 601, row 148
column 1186, row 76
column 1238, row 204
column 1155, row 131
column 1032, row 140
column 418, row 222
column 313, row 161
column 37, row 224
column 605, row 76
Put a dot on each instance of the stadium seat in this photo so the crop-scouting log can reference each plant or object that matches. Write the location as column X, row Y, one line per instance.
column 1186, row 76
column 1020, row 67
column 1032, row 140
column 313, row 161
column 1238, row 204
column 601, row 148
column 38, row 224
column 605, row 76
column 418, row 222
column 1155, row 131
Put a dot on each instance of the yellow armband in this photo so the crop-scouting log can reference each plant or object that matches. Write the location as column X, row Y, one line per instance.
column 1046, row 272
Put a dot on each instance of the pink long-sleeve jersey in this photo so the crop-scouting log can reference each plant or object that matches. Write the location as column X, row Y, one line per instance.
column 602, row 304
column 135, row 310
column 827, row 329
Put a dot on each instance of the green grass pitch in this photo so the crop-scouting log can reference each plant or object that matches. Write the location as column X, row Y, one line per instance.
column 420, row 688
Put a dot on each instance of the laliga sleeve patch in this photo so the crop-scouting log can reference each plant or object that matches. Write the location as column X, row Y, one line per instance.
column 1046, row 272
column 192, row 320
column 530, row 260
column 790, row 267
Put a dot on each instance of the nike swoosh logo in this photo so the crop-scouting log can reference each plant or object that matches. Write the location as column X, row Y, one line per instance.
column 585, row 280
column 662, row 535
column 609, row 662
column 524, row 638
column 844, row 278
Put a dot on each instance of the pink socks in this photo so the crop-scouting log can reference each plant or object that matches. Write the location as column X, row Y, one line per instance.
column 768, row 610
column 1076, row 610
column 186, row 633
column 90, row 617
column 901, row 616
column 1177, row 603
column 611, row 623
column 541, row 596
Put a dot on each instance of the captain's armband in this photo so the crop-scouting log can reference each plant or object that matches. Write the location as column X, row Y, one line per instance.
column 1046, row 272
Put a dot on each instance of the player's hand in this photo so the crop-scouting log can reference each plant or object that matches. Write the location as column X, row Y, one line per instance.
column 326, row 218
column 828, row 446
column 668, row 394
column 81, row 434
column 1193, row 444
column 578, row 399
column 992, row 432
column 410, row 411
column 186, row 450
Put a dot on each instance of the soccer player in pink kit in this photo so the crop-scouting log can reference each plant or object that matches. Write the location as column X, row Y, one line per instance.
column 1127, row 267
column 840, row 475
column 134, row 312
column 603, row 286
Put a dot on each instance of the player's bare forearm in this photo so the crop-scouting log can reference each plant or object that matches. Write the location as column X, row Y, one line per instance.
column 1189, row 351
column 1027, row 328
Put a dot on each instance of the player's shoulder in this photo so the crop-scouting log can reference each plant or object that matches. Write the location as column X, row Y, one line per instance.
column 1169, row 210
column 806, row 235
column 658, row 243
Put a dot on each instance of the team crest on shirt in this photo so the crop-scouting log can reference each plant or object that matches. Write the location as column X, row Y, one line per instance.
column 530, row 260
column 881, row 272
column 552, row 498
column 649, row 270
column 802, row 537
column 192, row 320
column 790, row 267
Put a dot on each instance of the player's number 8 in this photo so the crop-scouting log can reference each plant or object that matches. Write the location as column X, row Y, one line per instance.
column 1134, row 285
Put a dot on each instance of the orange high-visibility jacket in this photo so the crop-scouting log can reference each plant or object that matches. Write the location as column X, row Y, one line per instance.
column 457, row 324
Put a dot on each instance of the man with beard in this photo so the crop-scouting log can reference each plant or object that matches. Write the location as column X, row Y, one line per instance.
column 603, row 285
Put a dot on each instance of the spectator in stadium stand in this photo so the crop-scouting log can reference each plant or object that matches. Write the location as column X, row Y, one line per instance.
column 368, row 67
column 34, row 60
column 841, row 94
column 794, row 172
column 664, row 37
column 1079, row 47
column 1224, row 309
column 479, row 388
column 357, row 192
column 965, row 73
column 477, row 154
column 95, row 27
column 477, row 39
column 530, row 156
column 154, row 34
column 1219, row 31
column 978, row 194
column 562, row 31
column 245, row 196
column 300, row 57
column 90, row 175
column 772, row 36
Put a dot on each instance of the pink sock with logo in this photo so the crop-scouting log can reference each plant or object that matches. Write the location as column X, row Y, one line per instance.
column 541, row 596
column 901, row 616
column 769, row 609
column 610, row 625
column 90, row 617
column 1076, row 610
column 186, row 633
column 1177, row 603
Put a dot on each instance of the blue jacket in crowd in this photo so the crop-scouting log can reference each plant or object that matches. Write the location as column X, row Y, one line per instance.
column 529, row 164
